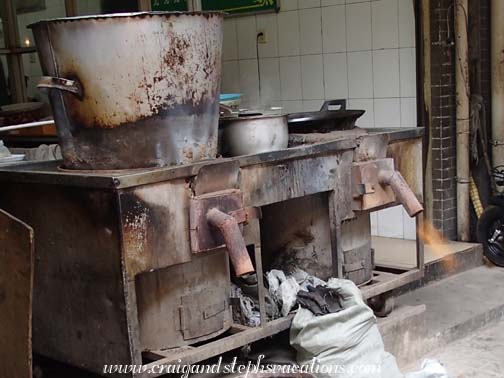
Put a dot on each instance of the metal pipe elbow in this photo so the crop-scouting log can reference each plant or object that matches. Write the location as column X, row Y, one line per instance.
column 402, row 191
column 235, row 244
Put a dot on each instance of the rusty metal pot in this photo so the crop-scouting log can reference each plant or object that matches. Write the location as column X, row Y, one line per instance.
column 133, row 90
column 254, row 134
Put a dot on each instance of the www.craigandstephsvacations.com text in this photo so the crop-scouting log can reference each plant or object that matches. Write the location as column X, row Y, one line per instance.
column 243, row 369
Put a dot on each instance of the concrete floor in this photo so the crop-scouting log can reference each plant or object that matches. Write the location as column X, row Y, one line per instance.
column 476, row 356
column 461, row 303
column 401, row 253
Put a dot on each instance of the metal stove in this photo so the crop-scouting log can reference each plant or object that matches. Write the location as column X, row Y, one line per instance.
column 133, row 267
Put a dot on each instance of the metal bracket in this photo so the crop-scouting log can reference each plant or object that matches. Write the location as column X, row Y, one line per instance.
column 353, row 267
column 203, row 236
column 246, row 214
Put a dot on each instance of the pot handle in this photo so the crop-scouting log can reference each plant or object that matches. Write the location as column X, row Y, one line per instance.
column 328, row 103
column 49, row 82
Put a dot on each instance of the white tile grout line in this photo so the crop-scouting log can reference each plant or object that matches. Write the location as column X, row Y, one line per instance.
column 372, row 66
column 346, row 56
column 329, row 53
column 300, row 60
column 322, row 53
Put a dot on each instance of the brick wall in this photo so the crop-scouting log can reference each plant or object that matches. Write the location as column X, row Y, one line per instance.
column 479, row 59
column 484, row 55
column 442, row 131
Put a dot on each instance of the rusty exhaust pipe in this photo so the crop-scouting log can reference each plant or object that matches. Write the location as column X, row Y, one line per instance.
column 228, row 226
column 402, row 191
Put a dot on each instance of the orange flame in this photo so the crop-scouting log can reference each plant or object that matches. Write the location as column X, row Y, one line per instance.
column 437, row 244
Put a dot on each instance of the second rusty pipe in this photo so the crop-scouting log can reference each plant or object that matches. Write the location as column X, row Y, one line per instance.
column 230, row 230
column 402, row 191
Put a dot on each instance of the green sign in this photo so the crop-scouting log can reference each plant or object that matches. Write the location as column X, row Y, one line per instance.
column 169, row 5
column 240, row 6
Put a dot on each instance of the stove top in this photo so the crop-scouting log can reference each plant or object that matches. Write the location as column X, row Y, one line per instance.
column 51, row 172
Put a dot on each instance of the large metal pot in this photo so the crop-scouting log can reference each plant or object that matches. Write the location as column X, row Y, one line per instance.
column 133, row 90
column 253, row 134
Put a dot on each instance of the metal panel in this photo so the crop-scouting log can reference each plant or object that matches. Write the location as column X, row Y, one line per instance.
column 407, row 155
column 16, row 284
column 172, row 299
column 269, row 183
column 79, row 308
column 155, row 220
column 204, row 236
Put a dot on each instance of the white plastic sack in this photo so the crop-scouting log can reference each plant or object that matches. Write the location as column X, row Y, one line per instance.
column 430, row 369
column 344, row 344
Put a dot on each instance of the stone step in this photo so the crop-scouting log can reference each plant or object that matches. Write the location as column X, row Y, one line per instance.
column 444, row 311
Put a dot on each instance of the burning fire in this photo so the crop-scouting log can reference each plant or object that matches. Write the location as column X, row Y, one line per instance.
column 436, row 243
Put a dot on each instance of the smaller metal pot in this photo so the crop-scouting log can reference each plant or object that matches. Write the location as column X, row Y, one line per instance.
column 253, row 134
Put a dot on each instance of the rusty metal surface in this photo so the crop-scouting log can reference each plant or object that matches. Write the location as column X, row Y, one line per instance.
column 47, row 172
column 99, row 259
column 407, row 155
column 149, row 99
column 203, row 236
column 372, row 147
column 301, row 238
column 402, row 191
column 16, row 285
column 221, row 346
column 185, row 303
column 79, row 308
column 368, row 194
column 154, row 220
column 269, row 183
column 296, row 139
column 246, row 214
column 356, row 243
column 235, row 243
column 296, row 233
column 215, row 177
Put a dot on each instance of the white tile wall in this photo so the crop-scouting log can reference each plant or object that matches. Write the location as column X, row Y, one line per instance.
column 366, row 104
column 290, row 78
column 312, row 77
column 249, row 81
column 361, row 50
column 230, row 48
column 231, row 71
column 385, row 24
column 358, row 21
column 311, row 105
column 309, row 4
column 409, row 112
column 269, row 25
column 288, row 33
column 374, row 223
column 310, row 30
column 360, row 74
column 407, row 71
column 246, row 33
column 386, row 73
column 336, row 75
column 406, row 23
column 334, row 29
column 292, row 106
column 287, row 5
column 327, row 3
column 387, row 112
column 390, row 222
column 409, row 226
column 270, row 73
